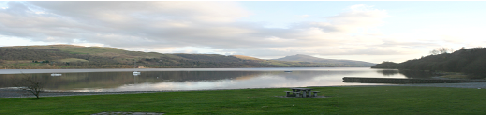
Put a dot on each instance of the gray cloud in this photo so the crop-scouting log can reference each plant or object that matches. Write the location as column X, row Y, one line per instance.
column 159, row 25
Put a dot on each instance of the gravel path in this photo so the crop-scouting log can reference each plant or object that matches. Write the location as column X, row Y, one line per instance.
column 15, row 93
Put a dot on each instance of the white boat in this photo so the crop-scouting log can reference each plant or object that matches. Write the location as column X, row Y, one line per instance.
column 136, row 73
column 55, row 74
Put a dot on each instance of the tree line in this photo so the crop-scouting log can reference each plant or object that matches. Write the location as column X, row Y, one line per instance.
column 468, row 61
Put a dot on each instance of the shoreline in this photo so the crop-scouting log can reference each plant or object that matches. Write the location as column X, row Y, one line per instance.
column 16, row 93
column 30, row 71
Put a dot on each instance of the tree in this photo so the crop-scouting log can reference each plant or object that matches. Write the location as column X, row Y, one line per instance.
column 32, row 85
column 441, row 51
column 434, row 52
column 445, row 50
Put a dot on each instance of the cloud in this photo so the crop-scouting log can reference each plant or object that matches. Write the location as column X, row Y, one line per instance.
column 167, row 25
column 304, row 16
column 357, row 16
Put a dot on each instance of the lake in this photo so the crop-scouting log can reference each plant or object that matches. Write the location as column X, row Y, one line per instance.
column 159, row 79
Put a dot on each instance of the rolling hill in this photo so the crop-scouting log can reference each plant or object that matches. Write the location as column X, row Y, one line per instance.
column 468, row 61
column 333, row 62
column 70, row 56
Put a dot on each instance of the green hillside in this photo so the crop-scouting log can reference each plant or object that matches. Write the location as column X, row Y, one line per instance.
column 70, row 56
column 247, row 58
column 468, row 61
column 330, row 62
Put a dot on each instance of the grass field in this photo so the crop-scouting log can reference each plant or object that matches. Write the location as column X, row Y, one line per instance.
column 398, row 100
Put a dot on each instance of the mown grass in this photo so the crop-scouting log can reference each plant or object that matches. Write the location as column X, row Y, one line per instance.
column 342, row 100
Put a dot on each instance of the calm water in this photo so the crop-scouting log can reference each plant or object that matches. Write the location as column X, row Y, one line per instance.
column 155, row 79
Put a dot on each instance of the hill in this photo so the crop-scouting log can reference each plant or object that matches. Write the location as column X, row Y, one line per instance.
column 332, row 62
column 247, row 57
column 70, row 56
column 468, row 61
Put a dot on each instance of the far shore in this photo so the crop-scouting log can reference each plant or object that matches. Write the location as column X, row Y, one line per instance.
column 19, row 71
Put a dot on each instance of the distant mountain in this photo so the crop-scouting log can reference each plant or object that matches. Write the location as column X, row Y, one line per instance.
column 332, row 62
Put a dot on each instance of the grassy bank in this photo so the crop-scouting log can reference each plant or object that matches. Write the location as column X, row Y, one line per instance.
column 342, row 100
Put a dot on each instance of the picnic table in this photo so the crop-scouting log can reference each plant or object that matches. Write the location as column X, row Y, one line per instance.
column 301, row 92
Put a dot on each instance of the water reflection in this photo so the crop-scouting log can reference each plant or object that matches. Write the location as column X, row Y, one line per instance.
column 194, row 80
column 411, row 74
column 415, row 74
column 388, row 72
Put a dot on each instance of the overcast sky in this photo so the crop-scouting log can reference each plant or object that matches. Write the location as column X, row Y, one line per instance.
column 363, row 31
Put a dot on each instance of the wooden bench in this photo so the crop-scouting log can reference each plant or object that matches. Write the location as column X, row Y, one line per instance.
column 288, row 93
column 315, row 93
column 297, row 94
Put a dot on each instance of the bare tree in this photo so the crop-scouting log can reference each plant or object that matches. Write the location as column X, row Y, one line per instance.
column 32, row 85
column 441, row 51
column 445, row 50
column 434, row 52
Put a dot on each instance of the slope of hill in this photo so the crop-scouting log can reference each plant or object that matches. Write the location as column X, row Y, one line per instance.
column 469, row 61
column 333, row 62
column 247, row 58
column 69, row 56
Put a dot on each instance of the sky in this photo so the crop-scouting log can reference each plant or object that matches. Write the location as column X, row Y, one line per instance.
column 353, row 30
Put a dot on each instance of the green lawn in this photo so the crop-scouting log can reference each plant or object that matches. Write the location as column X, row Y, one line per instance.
column 342, row 100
